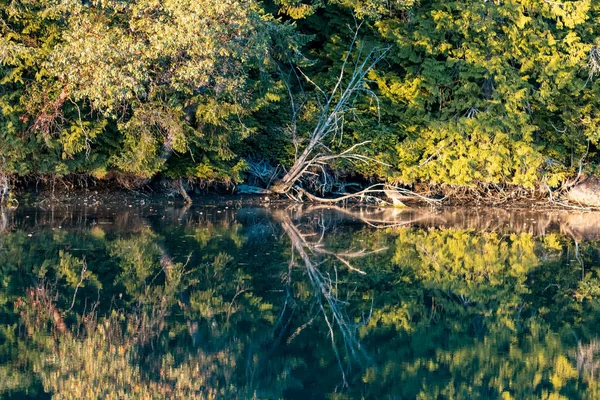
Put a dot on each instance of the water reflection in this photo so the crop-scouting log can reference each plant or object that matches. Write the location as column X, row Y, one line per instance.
column 223, row 301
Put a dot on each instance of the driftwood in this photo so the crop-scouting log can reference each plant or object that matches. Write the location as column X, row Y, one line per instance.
column 395, row 195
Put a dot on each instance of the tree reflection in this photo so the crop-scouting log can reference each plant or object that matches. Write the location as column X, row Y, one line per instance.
column 296, row 301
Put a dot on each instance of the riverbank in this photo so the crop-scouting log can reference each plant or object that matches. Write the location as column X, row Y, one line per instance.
column 86, row 190
column 132, row 198
column 126, row 197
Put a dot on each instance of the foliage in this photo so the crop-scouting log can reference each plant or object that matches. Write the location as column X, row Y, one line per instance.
column 121, row 86
column 470, row 92
column 492, row 93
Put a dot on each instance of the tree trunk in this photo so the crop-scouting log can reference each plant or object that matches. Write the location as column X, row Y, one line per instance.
column 284, row 184
column 182, row 192
column 4, row 190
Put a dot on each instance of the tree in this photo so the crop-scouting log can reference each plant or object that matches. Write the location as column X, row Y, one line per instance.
column 125, row 85
column 333, row 109
column 489, row 92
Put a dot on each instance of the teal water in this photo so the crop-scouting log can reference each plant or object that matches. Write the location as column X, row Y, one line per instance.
column 149, row 300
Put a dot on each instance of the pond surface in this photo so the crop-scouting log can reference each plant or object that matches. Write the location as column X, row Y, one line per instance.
column 148, row 300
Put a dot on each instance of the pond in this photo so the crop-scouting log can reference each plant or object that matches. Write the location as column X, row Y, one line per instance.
column 145, row 299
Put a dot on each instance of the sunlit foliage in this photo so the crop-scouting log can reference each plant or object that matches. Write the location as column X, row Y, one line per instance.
column 470, row 92
column 111, row 85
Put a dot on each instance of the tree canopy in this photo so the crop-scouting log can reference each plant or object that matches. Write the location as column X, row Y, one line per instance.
column 469, row 93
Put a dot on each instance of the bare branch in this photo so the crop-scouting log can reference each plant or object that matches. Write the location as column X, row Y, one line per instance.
column 329, row 126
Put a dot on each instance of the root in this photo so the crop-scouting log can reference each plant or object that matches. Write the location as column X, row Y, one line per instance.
column 262, row 171
column 489, row 193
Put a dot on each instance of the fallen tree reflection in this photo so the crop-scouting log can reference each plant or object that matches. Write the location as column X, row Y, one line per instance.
column 325, row 284
column 288, row 302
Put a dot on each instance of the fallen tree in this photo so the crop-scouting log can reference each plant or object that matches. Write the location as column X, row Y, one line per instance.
column 333, row 107
column 317, row 155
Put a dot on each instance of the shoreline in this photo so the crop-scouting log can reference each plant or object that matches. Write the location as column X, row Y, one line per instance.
column 92, row 197
column 127, row 208
column 31, row 188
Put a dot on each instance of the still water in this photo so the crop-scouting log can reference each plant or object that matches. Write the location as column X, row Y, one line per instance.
column 147, row 300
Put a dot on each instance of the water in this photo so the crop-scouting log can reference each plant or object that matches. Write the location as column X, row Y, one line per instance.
column 145, row 299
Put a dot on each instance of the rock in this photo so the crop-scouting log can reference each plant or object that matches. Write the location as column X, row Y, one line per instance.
column 247, row 189
column 586, row 192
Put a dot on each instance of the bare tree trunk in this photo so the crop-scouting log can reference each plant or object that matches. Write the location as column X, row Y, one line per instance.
column 283, row 185
column 329, row 126
column 5, row 195
column 182, row 192
column 4, row 190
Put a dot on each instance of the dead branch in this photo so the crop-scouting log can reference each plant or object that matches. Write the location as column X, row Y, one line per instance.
column 262, row 171
column 325, row 287
column 182, row 192
column 394, row 193
column 594, row 62
column 329, row 126
column 312, row 162
column 4, row 188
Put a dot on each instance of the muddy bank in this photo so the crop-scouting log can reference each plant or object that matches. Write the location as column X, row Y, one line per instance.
column 85, row 190
column 112, row 197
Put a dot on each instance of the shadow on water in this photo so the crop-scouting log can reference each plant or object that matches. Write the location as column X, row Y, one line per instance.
column 147, row 300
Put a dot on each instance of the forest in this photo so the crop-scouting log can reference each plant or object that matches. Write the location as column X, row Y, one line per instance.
column 322, row 96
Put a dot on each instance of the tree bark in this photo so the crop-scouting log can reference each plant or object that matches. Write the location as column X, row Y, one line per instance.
column 4, row 190
column 182, row 192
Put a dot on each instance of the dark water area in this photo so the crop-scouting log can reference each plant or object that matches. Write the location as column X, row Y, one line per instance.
column 144, row 299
